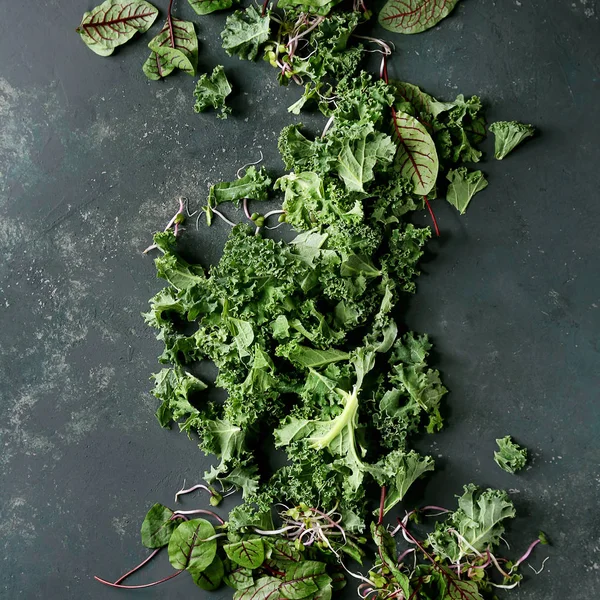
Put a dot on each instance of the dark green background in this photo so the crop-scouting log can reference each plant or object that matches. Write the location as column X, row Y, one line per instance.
column 92, row 159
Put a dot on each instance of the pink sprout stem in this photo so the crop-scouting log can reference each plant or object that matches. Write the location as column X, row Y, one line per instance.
column 405, row 554
column 199, row 511
column 138, row 587
column 527, row 553
column 199, row 486
column 246, row 209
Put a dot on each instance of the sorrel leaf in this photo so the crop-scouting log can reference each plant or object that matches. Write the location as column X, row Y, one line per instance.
column 115, row 22
column 414, row 16
column 210, row 578
column 156, row 67
column 303, row 579
column 158, row 526
column 264, row 588
column 177, row 46
column 247, row 553
column 417, row 158
column 205, row 7
column 188, row 548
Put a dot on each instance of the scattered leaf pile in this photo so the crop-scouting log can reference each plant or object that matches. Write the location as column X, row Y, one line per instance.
column 307, row 335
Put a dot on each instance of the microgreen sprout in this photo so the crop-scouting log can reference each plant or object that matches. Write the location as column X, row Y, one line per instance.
column 215, row 497
column 175, row 221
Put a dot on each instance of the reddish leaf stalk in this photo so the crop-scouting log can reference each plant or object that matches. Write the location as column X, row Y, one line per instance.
column 144, row 562
column 170, row 24
column 138, row 587
column 381, row 505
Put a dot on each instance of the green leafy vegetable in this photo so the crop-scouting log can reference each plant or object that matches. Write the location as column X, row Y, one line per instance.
column 115, row 22
column 246, row 553
column 417, row 158
column 158, row 526
column 414, row 16
column 190, row 547
column 508, row 135
column 245, row 31
column 463, row 186
column 478, row 523
column 205, row 7
column 211, row 91
column 510, row 457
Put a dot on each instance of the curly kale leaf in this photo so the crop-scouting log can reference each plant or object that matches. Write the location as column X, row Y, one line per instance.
column 211, row 91
column 510, row 457
column 245, row 32
column 508, row 135
column 476, row 526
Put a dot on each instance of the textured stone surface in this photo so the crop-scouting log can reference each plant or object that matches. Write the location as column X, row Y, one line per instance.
column 92, row 158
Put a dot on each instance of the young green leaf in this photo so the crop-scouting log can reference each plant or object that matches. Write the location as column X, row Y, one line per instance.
column 414, row 16
column 245, row 32
column 423, row 103
column 176, row 47
column 205, row 7
column 246, row 553
column 508, row 135
column 315, row 7
column 115, row 22
column 210, row 578
column 211, row 90
column 158, row 526
column 189, row 546
column 417, row 158
column 463, row 186
column 511, row 457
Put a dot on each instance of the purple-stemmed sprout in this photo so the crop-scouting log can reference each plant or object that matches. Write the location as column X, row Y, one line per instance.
column 177, row 218
column 198, row 511
column 405, row 554
column 215, row 497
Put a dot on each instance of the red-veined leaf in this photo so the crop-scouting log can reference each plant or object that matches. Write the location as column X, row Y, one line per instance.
column 247, row 553
column 189, row 546
column 115, row 22
column 414, row 16
column 176, row 47
column 417, row 158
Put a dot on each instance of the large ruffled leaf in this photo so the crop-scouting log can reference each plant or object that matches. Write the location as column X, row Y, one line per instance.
column 115, row 22
column 417, row 158
column 414, row 16
column 245, row 31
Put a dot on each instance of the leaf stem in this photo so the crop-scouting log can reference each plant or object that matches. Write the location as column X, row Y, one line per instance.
column 138, row 587
column 147, row 560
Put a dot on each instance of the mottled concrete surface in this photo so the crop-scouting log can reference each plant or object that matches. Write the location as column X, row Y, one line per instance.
column 92, row 158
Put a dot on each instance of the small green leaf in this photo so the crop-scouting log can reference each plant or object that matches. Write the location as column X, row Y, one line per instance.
column 247, row 553
column 115, row 22
column 211, row 91
column 511, row 457
column 189, row 548
column 414, row 16
column 158, row 526
column 311, row 358
column 205, row 7
column 463, row 186
column 508, row 135
column 210, row 578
